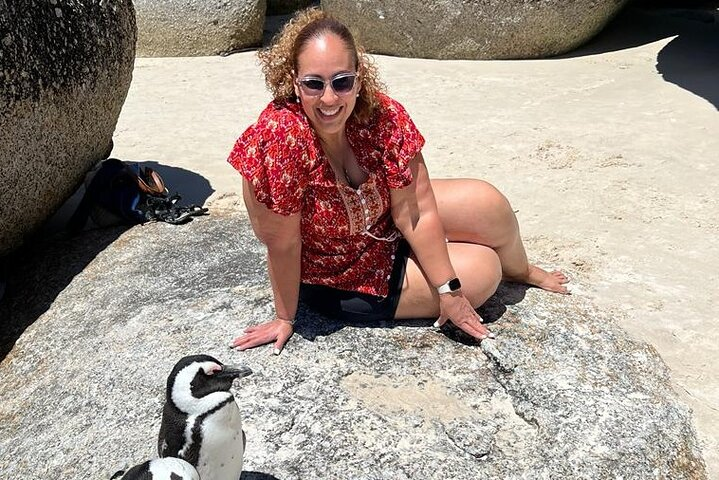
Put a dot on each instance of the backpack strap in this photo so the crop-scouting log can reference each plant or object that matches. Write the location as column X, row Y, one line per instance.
column 166, row 210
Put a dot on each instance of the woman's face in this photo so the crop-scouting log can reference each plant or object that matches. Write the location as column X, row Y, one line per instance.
column 325, row 58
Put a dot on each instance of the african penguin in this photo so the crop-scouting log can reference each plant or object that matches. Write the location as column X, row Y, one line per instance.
column 160, row 469
column 201, row 422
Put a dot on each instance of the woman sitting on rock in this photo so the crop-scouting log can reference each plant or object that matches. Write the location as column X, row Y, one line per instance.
column 336, row 188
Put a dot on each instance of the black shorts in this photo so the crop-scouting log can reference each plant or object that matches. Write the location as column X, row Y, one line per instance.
column 356, row 306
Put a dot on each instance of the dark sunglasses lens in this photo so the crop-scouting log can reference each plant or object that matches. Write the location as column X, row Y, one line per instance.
column 343, row 84
column 313, row 84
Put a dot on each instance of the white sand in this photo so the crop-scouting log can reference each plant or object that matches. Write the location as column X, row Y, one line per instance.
column 611, row 167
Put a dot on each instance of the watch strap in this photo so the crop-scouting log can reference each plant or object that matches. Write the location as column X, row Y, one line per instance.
column 450, row 286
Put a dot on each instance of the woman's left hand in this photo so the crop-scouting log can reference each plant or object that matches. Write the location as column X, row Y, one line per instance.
column 456, row 308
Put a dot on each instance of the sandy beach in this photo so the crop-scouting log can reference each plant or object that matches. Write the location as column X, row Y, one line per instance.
column 608, row 154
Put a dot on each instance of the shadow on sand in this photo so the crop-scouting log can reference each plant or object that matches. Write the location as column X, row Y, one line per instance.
column 192, row 187
column 690, row 60
column 34, row 275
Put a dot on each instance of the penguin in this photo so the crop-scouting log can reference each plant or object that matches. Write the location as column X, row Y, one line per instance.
column 159, row 469
column 201, row 422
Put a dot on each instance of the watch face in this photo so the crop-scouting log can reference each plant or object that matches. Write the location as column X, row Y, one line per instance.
column 454, row 284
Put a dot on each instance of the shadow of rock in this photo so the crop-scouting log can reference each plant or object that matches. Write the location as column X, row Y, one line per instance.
column 192, row 187
column 690, row 60
column 37, row 272
column 32, row 277
column 637, row 25
column 633, row 27
column 274, row 22
column 273, row 25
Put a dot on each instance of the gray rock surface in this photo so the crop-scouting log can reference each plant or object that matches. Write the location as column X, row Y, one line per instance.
column 65, row 69
column 190, row 28
column 481, row 29
column 561, row 392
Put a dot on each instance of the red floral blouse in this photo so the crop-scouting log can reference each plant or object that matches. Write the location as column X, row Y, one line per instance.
column 348, row 236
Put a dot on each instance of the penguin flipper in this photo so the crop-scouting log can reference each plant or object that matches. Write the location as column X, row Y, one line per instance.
column 172, row 433
column 161, row 442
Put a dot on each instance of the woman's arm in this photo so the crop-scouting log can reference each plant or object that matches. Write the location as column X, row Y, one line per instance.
column 281, row 236
column 415, row 214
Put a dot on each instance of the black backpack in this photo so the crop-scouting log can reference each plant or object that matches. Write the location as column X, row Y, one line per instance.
column 120, row 192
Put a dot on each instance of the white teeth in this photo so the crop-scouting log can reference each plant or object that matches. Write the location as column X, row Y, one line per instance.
column 329, row 113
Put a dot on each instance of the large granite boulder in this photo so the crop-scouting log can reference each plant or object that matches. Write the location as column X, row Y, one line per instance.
column 481, row 29
column 65, row 69
column 561, row 393
column 190, row 28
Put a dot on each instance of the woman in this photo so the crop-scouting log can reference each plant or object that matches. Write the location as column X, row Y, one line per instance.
column 337, row 189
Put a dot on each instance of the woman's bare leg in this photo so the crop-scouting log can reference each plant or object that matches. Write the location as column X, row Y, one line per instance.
column 478, row 267
column 474, row 211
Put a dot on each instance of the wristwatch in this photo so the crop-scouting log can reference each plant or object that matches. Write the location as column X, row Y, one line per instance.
column 451, row 286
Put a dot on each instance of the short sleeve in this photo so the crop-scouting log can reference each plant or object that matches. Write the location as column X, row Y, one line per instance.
column 273, row 156
column 402, row 143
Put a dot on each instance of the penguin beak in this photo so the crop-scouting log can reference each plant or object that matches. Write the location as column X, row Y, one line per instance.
column 232, row 371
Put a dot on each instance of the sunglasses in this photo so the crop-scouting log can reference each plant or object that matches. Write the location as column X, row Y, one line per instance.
column 313, row 86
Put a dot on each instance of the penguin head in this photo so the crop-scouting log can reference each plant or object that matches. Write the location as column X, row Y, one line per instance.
column 197, row 383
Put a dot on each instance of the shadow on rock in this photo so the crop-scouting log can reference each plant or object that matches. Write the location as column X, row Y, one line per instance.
column 508, row 293
column 38, row 272
column 688, row 61
column 311, row 324
column 257, row 476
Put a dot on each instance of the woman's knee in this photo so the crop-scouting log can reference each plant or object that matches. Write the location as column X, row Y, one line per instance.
column 480, row 272
column 472, row 202
column 493, row 201
column 480, row 190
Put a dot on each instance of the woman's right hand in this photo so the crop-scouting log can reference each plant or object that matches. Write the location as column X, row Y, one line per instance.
column 277, row 330
column 455, row 307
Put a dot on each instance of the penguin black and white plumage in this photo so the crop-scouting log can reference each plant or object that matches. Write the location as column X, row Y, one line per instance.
column 201, row 422
column 160, row 469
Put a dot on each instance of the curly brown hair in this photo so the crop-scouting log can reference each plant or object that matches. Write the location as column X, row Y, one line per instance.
column 279, row 60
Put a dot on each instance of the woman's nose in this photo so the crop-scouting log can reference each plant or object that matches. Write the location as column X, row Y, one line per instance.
column 328, row 94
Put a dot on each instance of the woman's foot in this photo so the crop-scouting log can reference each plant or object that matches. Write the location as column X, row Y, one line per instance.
column 551, row 281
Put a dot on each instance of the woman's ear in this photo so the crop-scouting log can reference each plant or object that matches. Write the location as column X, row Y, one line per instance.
column 293, row 79
column 360, row 76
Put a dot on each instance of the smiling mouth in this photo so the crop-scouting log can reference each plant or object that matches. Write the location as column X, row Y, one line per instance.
column 329, row 112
